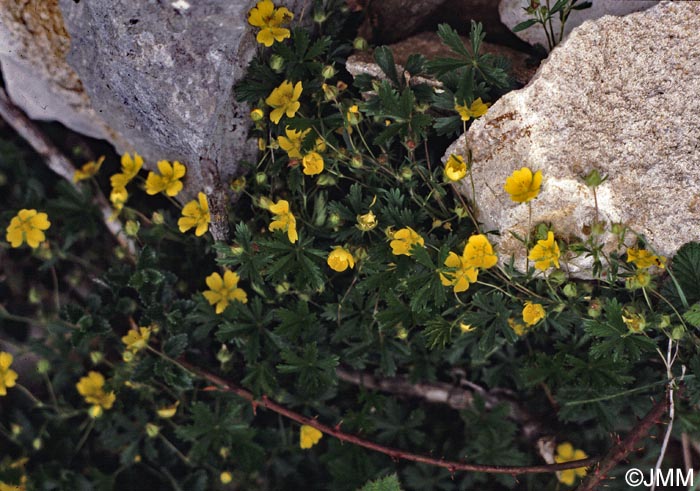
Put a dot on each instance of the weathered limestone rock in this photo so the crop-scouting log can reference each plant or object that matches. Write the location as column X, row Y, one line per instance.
column 512, row 14
column 33, row 49
column 429, row 45
column 620, row 96
column 162, row 73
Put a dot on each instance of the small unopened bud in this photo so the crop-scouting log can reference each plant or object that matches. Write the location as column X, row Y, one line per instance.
column 260, row 178
column 276, row 63
column 406, row 173
column 333, row 219
column 360, row 44
column 356, row 162
column 96, row 357
column 320, row 16
column 328, row 71
column 257, row 114
column 238, row 185
column 557, row 277
column 593, row 179
column 226, row 477
column 132, row 228
column 152, row 430
column 224, row 355
column 326, row 180
column 37, row 444
column 157, row 218
column 677, row 333
column 43, row 366
column 15, row 429
column 330, row 92
column 570, row 290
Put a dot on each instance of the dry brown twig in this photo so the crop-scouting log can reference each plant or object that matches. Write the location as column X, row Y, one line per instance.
column 56, row 161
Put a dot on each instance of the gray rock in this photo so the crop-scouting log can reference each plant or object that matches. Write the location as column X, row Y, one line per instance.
column 512, row 14
column 162, row 73
column 33, row 49
column 620, row 96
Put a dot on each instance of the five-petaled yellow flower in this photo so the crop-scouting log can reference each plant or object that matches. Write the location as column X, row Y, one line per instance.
column 476, row 109
column 27, row 226
column 137, row 339
column 533, row 313
column 169, row 179
column 8, row 377
column 92, row 389
column 404, row 240
column 292, row 142
column 309, row 436
column 462, row 276
column 455, row 168
column 283, row 220
column 523, row 185
column 312, row 164
column 224, row 290
column 269, row 19
column 196, row 214
column 367, row 222
column 545, row 253
column 130, row 167
column 340, row 259
column 567, row 453
column 643, row 258
column 88, row 170
column 478, row 253
column 285, row 100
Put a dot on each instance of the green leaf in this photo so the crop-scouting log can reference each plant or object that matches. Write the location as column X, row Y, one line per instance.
column 692, row 315
column 385, row 60
column 175, row 345
column 686, row 270
column 388, row 483
column 524, row 25
column 452, row 40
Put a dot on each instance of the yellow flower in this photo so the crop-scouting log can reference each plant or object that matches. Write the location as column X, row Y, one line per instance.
column 8, row 376
column 285, row 100
column 283, row 220
column 462, row 275
column 517, row 327
column 545, row 253
column 92, row 389
column 566, row 453
column 477, row 109
column 168, row 412
column 27, row 226
column 226, row 477
column 292, row 142
column 478, row 252
column 309, row 436
column 196, row 214
column 312, row 163
column 367, row 221
column 523, row 186
column 404, row 240
column 224, row 290
column 455, row 168
column 137, row 339
column 353, row 115
column 533, row 313
column 131, row 166
column 269, row 19
column 88, row 170
column 340, row 259
column 168, row 180
column 320, row 145
column 257, row 114
column 643, row 258
column 635, row 322
column 118, row 197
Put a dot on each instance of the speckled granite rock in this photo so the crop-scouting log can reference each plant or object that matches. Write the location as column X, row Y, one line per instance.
column 33, row 49
column 512, row 14
column 619, row 95
column 162, row 73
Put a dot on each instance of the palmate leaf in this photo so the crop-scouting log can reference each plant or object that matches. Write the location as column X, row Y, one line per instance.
column 385, row 60
column 686, row 270
column 388, row 483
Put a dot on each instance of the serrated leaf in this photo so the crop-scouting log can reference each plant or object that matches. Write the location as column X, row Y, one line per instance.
column 385, row 59
column 388, row 483
column 692, row 315
column 175, row 345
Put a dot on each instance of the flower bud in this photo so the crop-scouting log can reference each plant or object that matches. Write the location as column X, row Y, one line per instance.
column 570, row 290
column 37, row 444
column 356, row 162
column 557, row 277
column 224, row 355
column 326, row 180
column 152, row 430
column 328, row 71
column 15, row 429
column 157, row 218
column 593, row 179
column 320, row 16
column 260, row 178
column 282, row 288
column 96, row 357
column 360, row 44
column 276, row 63
column 367, row 222
column 333, row 219
column 330, row 92
column 406, row 173
column 43, row 366
column 238, row 184
column 677, row 333
column 257, row 114
column 132, row 228
column 226, row 477
column 594, row 308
